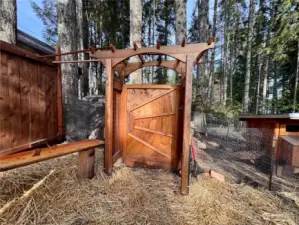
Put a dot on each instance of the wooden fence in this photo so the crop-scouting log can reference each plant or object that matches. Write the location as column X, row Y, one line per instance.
column 28, row 100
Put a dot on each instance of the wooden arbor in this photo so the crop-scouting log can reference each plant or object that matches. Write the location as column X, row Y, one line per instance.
column 151, row 148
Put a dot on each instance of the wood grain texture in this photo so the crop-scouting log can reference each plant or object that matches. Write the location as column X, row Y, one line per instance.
column 25, row 82
column 25, row 158
column 109, row 118
column 15, row 100
column 28, row 101
column 34, row 104
column 86, row 161
column 186, row 126
column 43, row 126
column 154, row 115
column 123, row 121
column 151, row 125
column 30, row 145
column 116, row 123
column 5, row 126
column 154, row 131
column 177, row 52
column 149, row 145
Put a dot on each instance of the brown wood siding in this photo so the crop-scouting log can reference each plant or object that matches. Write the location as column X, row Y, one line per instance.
column 116, row 121
column 28, row 101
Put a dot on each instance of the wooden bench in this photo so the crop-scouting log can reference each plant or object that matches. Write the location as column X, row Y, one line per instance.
column 86, row 149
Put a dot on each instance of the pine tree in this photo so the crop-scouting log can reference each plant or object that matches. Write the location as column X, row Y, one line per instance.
column 8, row 18
column 47, row 12
column 67, row 26
column 248, row 57
column 83, row 44
column 135, row 35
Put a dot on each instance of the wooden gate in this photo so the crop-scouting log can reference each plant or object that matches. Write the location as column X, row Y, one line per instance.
column 150, row 117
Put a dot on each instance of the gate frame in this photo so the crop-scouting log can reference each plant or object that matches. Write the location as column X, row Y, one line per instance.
column 185, row 58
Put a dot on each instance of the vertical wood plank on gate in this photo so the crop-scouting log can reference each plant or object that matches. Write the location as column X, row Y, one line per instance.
column 15, row 100
column 54, row 102
column 5, row 126
column 49, row 99
column 116, row 122
column 43, row 128
column 186, row 126
column 109, row 118
column 25, row 100
column 34, row 102
column 175, row 124
column 123, row 122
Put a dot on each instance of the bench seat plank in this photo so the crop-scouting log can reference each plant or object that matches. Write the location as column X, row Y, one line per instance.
column 20, row 159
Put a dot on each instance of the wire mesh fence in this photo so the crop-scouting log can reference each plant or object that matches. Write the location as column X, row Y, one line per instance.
column 241, row 154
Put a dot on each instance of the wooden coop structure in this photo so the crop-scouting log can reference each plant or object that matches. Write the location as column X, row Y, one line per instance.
column 146, row 125
column 285, row 135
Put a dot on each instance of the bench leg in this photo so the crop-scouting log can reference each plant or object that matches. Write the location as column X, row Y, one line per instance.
column 86, row 164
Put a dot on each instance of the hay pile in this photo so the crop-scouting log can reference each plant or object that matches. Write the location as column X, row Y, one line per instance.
column 131, row 196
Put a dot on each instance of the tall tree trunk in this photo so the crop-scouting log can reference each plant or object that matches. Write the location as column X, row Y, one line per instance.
column 202, row 75
column 101, row 87
column 225, row 65
column 274, row 103
column 266, row 68
column 135, row 35
column 166, row 16
column 221, row 73
column 225, row 50
column 149, row 44
column 248, row 56
column 181, row 22
column 8, row 21
column 212, row 65
column 265, row 84
column 296, row 81
column 153, row 35
column 83, row 44
column 67, row 33
column 258, row 88
column 202, row 81
column 231, row 72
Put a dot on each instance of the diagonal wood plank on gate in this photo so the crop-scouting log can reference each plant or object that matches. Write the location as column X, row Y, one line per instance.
column 149, row 145
column 153, row 131
column 152, row 99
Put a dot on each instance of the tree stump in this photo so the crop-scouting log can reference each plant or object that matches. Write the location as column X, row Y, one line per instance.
column 86, row 164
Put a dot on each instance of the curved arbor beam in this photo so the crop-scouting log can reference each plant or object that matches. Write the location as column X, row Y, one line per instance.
column 176, row 51
column 131, row 67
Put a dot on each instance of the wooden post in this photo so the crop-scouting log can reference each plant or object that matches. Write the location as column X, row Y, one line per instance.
column 186, row 125
column 86, row 164
column 109, row 118
column 59, row 92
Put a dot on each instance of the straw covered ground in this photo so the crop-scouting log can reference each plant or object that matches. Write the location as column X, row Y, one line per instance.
column 130, row 196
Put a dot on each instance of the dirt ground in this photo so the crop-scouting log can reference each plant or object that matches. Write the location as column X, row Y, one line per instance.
column 131, row 196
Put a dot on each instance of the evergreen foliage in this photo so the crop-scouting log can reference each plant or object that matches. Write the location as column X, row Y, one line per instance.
column 273, row 60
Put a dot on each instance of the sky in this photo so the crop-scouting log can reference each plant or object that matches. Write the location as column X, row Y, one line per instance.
column 31, row 24
column 27, row 19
